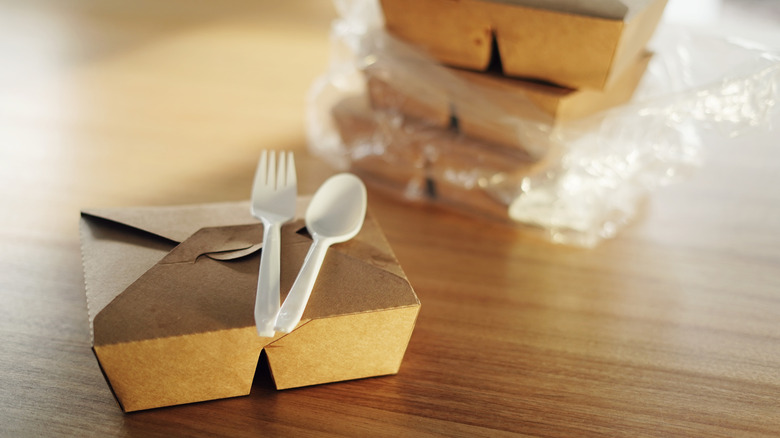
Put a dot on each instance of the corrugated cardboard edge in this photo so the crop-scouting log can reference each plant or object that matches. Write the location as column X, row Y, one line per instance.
column 226, row 365
column 87, row 292
column 344, row 347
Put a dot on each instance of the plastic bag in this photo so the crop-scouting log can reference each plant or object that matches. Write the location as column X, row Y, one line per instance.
column 578, row 181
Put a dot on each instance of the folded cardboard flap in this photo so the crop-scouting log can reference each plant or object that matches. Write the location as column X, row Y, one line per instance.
column 184, row 293
column 183, row 331
column 120, row 244
column 176, row 223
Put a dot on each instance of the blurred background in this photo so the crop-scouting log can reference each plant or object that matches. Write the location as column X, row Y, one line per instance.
column 753, row 19
column 110, row 75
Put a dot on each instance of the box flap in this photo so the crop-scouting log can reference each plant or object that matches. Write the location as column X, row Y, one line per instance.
column 135, row 238
column 120, row 244
column 185, row 293
column 125, row 251
column 177, row 223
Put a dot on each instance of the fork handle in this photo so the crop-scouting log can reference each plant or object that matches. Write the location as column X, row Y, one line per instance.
column 295, row 303
column 267, row 299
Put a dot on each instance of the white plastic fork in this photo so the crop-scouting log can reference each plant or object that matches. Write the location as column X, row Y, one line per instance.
column 273, row 202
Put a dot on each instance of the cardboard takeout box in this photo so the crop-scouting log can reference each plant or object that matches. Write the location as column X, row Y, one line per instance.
column 496, row 108
column 171, row 292
column 428, row 162
column 570, row 43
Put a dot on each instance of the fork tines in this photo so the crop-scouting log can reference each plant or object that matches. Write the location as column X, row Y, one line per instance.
column 286, row 166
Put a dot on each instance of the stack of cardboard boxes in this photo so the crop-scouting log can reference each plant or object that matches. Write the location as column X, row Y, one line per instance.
column 503, row 75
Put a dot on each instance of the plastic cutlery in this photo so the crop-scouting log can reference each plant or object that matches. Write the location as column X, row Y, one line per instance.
column 274, row 196
column 335, row 215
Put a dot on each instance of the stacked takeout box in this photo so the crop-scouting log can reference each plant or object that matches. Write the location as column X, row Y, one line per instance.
column 466, row 95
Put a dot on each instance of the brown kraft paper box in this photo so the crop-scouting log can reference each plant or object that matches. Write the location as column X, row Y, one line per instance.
column 570, row 43
column 502, row 106
column 171, row 292
column 428, row 162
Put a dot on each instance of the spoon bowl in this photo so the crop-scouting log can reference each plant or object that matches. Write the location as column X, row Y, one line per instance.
column 337, row 210
column 335, row 215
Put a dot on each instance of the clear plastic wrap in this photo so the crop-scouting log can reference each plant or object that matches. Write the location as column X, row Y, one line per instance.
column 405, row 123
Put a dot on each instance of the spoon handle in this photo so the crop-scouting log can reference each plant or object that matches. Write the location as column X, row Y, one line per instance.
column 292, row 309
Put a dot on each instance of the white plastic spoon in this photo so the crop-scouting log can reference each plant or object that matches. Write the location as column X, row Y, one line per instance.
column 335, row 215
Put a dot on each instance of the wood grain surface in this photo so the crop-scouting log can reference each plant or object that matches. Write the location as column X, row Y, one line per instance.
column 671, row 329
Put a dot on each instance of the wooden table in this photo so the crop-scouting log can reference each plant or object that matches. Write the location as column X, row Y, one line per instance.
column 671, row 329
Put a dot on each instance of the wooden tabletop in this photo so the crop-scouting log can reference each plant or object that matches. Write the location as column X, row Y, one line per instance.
column 670, row 329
